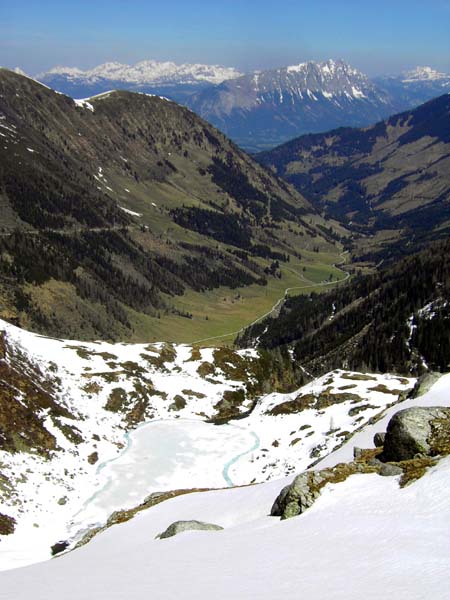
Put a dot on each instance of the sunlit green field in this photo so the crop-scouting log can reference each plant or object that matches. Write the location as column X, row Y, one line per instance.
column 221, row 313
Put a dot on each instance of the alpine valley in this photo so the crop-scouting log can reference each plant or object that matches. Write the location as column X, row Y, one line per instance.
column 222, row 375
column 121, row 212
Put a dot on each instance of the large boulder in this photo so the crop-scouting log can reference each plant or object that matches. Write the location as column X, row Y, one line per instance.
column 180, row 526
column 295, row 498
column 417, row 431
column 298, row 496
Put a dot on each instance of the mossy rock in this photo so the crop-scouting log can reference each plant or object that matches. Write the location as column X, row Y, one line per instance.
column 229, row 407
column 206, row 369
column 93, row 458
column 308, row 401
column 193, row 394
column 358, row 377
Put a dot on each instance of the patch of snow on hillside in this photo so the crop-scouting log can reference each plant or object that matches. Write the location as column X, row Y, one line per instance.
column 130, row 212
column 95, row 376
column 83, row 103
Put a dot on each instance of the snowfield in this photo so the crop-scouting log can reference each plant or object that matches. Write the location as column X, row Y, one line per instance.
column 365, row 533
column 363, row 538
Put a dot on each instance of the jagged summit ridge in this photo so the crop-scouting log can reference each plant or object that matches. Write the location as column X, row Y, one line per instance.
column 331, row 76
column 326, row 78
column 262, row 109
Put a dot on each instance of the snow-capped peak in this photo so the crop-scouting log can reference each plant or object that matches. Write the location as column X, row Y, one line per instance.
column 329, row 67
column 297, row 68
column 423, row 74
column 309, row 79
column 70, row 71
column 146, row 72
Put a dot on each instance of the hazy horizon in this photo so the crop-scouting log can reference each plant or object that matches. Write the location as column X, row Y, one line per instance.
column 385, row 38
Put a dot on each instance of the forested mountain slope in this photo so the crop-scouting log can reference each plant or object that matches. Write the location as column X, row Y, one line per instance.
column 113, row 207
column 391, row 180
column 395, row 320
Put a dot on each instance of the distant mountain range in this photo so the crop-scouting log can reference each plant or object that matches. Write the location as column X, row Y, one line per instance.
column 177, row 81
column 262, row 109
column 415, row 87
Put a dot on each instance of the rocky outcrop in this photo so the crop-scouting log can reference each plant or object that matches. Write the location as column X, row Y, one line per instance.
column 301, row 494
column 180, row 526
column 414, row 438
column 59, row 547
column 417, row 431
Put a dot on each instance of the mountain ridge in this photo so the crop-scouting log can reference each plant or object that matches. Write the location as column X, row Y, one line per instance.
column 159, row 77
column 146, row 72
column 147, row 188
column 264, row 108
column 281, row 103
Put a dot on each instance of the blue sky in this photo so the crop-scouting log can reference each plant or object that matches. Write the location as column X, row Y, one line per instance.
column 378, row 36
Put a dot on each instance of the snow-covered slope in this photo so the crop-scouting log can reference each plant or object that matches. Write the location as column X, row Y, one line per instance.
column 361, row 539
column 74, row 454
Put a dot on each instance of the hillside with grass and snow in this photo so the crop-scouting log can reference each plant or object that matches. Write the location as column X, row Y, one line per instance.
column 357, row 534
column 92, row 428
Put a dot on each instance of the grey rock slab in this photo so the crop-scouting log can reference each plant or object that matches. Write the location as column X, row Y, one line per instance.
column 390, row 470
column 180, row 526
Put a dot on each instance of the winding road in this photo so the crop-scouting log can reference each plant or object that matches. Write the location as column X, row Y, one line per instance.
column 278, row 304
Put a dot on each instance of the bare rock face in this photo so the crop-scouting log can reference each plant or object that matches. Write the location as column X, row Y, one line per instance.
column 417, row 431
column 180, row 526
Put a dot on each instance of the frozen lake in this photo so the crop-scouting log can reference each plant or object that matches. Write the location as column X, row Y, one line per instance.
column 161, row 456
